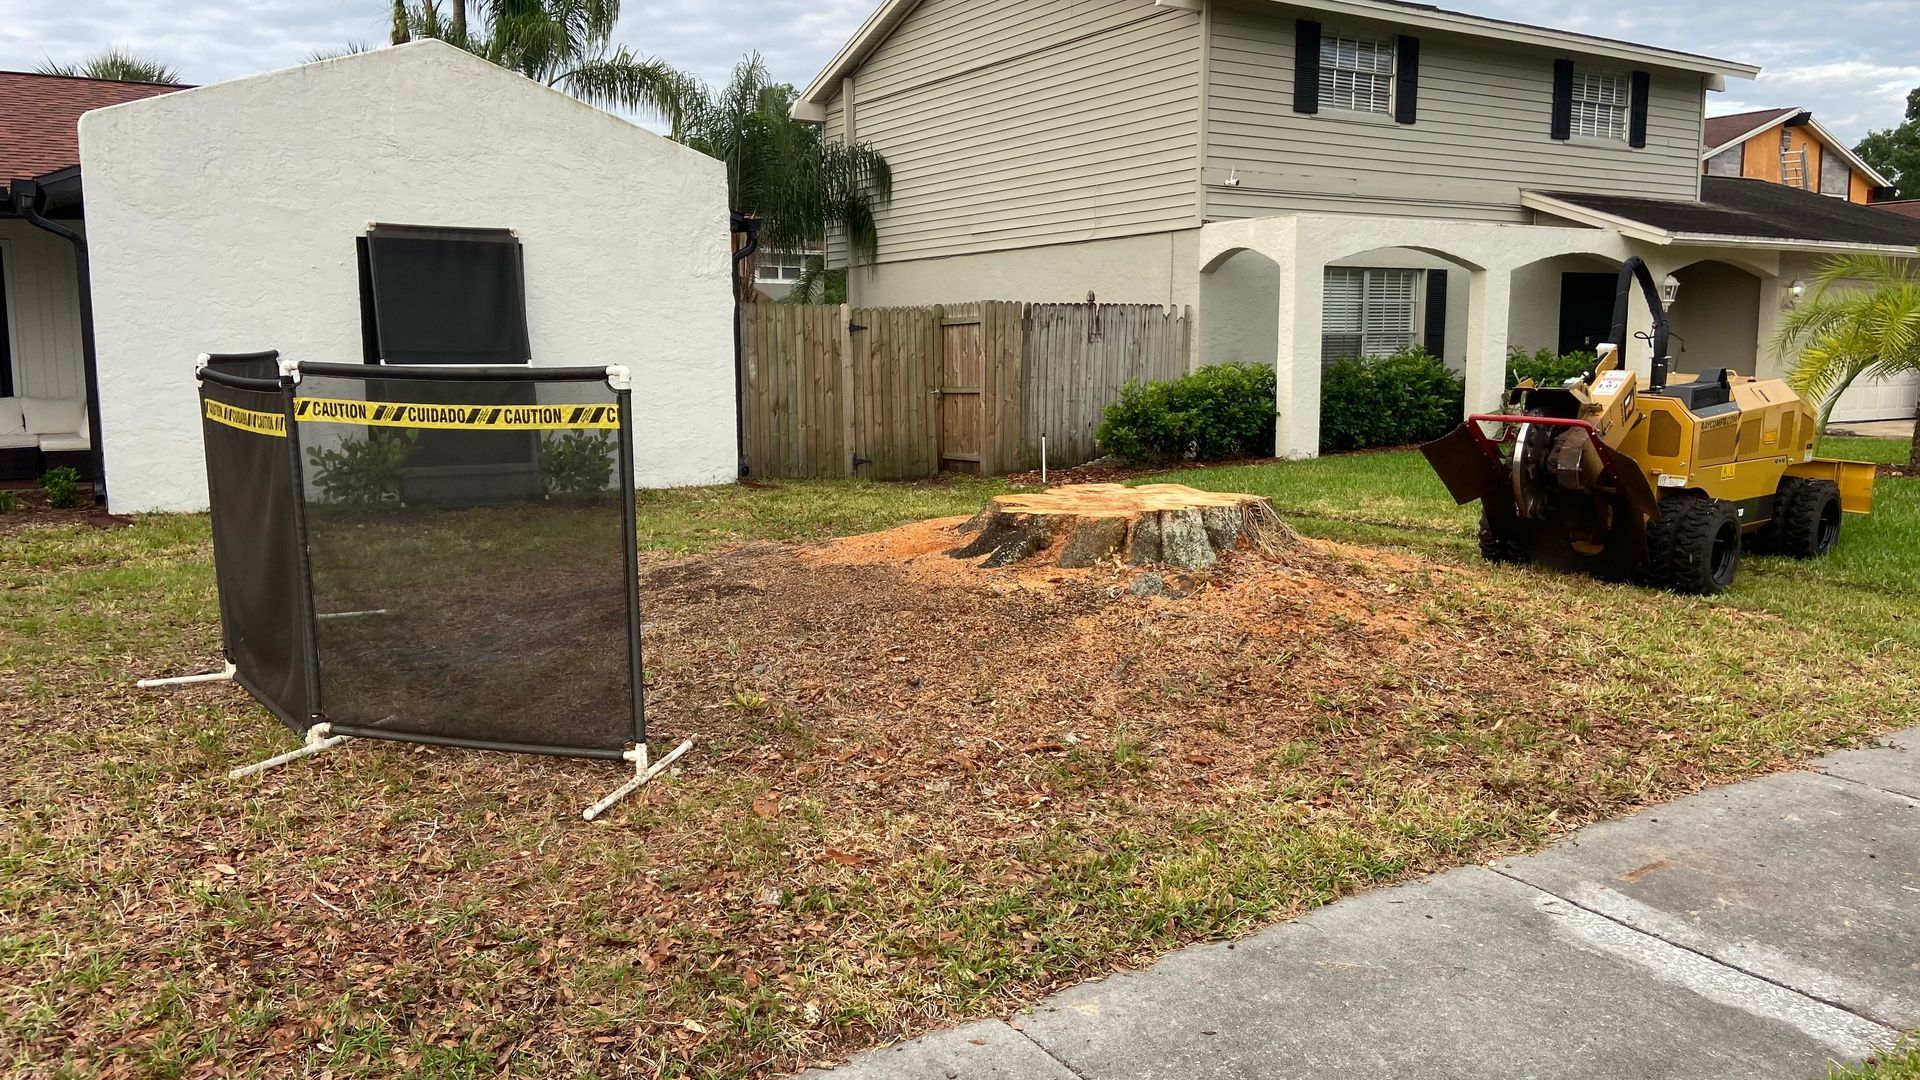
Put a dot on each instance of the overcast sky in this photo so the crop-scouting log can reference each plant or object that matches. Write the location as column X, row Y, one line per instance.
column 1851, row 61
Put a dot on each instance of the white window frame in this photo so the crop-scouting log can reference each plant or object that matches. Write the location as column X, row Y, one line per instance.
column 1602, row 101
column 1356, row 73
column 780, row 267
column 1378, row 329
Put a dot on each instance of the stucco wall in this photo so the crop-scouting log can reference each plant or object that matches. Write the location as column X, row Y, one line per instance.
column 1155, row 269
column 223, row 219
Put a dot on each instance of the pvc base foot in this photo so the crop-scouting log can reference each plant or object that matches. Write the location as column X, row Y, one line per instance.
column 642, row 772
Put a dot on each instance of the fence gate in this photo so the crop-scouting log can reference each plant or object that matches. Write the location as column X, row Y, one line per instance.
column 962, row 366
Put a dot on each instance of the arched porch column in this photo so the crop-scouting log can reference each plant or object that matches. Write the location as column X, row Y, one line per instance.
column 1488, row 311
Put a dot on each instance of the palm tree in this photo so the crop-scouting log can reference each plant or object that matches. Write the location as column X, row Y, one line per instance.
column 1862, row 319
column 798, row 184
column 566, row 44
column 121, row 65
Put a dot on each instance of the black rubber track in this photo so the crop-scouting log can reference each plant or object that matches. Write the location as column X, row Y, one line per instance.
column 1680, row 543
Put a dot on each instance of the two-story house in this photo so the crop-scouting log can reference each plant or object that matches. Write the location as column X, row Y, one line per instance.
column 1318, row 178
column 1787, row 146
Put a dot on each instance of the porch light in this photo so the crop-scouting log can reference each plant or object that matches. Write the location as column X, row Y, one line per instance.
column 1670, row 290
column 1795, row 292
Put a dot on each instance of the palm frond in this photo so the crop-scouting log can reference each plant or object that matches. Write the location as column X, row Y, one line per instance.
column 118, row 64
column 1861, row 320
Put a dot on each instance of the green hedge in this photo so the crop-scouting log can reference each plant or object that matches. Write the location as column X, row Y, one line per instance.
column 1546, row 368
column 1221, row 411
column 1408, row 397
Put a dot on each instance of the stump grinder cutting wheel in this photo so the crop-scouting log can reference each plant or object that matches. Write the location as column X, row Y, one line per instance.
column 1663, row 484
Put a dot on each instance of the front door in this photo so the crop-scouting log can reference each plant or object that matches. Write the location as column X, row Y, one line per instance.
column 1586, row 311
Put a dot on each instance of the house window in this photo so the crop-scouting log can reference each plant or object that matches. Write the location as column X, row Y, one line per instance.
column 1835, row 177
column 1356, row 73
column 442, row 296
column 1368, row 312
column 1727, row 162
column 1600, row 105
column 780, row 267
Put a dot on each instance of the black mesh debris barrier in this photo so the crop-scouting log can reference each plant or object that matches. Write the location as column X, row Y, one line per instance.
column 434, row 554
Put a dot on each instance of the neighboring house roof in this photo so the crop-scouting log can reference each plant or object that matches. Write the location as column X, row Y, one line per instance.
column 1904, row 207
column 891, row 13
column 1736, row 211
column 40, row 118
column 1724, row 132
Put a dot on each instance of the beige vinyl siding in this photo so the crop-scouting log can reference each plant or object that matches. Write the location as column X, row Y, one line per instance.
column 1011, row 125
column 835, row 130
column 43, row 306
column 1482, row 134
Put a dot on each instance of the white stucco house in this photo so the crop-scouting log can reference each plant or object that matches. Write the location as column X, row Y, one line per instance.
column 46, row 362
column 1318, row 178
column 234, row 218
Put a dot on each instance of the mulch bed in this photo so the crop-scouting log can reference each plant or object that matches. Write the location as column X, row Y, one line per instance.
column 1899, row 471
column 32, row 510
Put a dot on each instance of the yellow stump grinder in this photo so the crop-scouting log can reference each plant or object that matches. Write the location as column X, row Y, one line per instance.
column 1662, row 484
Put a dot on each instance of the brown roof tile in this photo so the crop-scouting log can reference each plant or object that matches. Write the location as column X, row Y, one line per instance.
column 40, row 118
column 1722, row 130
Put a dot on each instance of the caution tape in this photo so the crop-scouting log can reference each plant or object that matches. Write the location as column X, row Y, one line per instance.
column 260, row 423
column 403, row 414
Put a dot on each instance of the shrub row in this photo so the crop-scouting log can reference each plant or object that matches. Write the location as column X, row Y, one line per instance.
column 1226, row 410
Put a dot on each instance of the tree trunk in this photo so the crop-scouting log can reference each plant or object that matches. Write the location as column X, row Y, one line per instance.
column 1913, row 452
column 460, row 22
column 1078, row 526
column 400, row 35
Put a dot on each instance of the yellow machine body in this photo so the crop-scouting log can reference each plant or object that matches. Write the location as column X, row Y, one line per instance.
column 1659, row 481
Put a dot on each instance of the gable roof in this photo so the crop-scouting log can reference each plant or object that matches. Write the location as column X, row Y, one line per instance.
column 40, row 118
column 891, row 13
column 1903, row 207
column 1725, row 132
column 1734, row 211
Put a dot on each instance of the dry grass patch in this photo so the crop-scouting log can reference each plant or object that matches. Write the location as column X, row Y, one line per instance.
column 923, row 791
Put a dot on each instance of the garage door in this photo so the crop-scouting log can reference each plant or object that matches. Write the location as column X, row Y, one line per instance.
column 1878, row 399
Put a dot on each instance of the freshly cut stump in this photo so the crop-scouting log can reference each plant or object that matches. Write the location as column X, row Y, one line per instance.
column 1169, row 524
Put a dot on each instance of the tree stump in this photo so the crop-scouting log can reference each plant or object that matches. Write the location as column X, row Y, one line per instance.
column 1169, row 524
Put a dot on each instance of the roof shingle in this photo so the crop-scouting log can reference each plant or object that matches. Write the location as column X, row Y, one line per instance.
column 1721, row 130
column 40, row 118
column 1756, row 209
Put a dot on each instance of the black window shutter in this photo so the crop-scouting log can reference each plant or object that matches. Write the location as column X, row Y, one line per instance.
column 1563, row 99
column 1637, row 110
column 1306, row 66
column 1436, row 331
column 1406, row 89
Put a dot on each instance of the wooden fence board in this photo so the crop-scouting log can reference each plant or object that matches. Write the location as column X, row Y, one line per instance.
column 970, row 386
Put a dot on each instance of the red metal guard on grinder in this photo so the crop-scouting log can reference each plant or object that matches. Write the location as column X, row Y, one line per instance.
column 1490, row 446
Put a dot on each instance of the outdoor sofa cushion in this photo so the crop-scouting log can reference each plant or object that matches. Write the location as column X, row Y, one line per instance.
column 54, row 416
column 12, row 420
column 55, row 444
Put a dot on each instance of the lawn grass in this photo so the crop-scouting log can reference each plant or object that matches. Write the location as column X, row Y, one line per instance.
column 1900, row 1063
column 391, row 911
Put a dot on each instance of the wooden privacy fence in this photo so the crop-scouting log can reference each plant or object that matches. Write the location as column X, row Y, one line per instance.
column 897, row 393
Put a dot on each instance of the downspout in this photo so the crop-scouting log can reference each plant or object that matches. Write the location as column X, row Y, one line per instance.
column 741, row 223
column 26, row 203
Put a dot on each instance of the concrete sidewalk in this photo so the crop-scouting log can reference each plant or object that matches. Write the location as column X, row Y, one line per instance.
column 1762, row 929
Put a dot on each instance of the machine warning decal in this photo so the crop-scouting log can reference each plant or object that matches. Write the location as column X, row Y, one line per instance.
column 1610, row 383
column 260, row 423
column 403, row 414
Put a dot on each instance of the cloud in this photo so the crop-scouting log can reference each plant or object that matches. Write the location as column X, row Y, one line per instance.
column 1852, row 64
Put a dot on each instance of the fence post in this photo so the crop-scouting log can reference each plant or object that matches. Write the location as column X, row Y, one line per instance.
column 849, row 448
